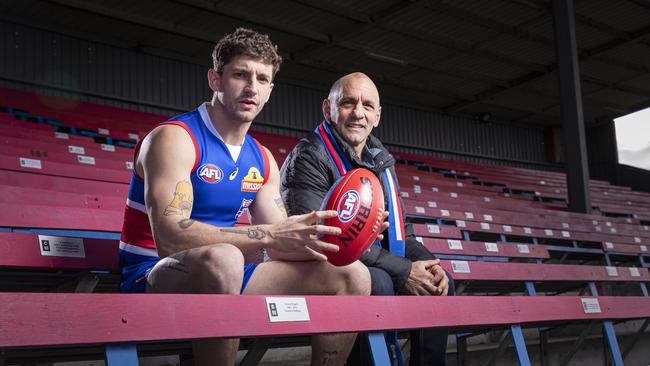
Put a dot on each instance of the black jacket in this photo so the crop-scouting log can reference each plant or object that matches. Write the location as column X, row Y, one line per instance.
column 308, row 173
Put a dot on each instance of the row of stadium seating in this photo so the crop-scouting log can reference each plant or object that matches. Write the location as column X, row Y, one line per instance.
column 64, row 173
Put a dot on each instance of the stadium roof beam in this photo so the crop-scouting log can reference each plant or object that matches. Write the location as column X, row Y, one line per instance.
column 535, row 74
column 336, row 41
column 601, row 26
column 378, row 20
column 381, row 23
column 577, row 167
column 368, row 22
column 171, row 28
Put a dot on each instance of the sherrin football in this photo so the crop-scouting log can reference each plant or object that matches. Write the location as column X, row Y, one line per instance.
column 359, row 200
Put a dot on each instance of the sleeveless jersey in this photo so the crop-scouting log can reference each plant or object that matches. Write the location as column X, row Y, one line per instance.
column 223, row 188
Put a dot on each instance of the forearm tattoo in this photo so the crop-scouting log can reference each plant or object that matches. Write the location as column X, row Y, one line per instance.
column 181, row 204
column 251, row 232
column 278, row 202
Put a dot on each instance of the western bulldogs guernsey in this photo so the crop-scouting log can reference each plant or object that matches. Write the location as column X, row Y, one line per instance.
column 223, row 189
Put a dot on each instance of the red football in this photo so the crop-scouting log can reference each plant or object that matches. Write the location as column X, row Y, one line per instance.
column 359, row 199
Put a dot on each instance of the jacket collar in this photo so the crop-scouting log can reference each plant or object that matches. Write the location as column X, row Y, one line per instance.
column 375, row 156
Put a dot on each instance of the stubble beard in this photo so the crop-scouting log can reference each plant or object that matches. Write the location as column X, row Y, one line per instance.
column 244, row 117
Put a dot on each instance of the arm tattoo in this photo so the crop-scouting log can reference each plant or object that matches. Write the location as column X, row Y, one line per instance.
column 278, row 202
column 252, row 232
column 185, row 223
column 181, row 204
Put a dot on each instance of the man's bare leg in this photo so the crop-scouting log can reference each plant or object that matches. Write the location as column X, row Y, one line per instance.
column 314, row 278
column 215, row 269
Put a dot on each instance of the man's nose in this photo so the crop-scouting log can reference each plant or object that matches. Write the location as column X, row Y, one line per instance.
column 357, row 112
column 251, row 86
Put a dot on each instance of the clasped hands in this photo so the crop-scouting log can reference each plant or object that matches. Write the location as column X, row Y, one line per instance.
column 427, row 278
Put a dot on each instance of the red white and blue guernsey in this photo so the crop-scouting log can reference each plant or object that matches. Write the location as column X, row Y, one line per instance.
column 225, row 181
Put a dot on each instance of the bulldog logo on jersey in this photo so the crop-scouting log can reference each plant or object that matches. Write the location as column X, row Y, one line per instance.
column 253, row 181
column 243, row 208
column 210, row 173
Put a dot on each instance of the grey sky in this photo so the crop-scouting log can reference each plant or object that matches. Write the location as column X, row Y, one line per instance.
column 633, row 139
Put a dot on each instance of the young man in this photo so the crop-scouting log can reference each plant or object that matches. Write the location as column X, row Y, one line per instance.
column 340, row 143
column 195, row 175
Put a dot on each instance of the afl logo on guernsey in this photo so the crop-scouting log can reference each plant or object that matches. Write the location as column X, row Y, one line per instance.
column 210, row 173
column 348, row 206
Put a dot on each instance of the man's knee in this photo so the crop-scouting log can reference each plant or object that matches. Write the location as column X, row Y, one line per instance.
column 382, row 283
column 210, row 269
column 223, row 263
column 356, row 279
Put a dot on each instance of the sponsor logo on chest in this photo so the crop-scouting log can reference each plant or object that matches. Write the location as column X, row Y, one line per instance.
column 253, row 181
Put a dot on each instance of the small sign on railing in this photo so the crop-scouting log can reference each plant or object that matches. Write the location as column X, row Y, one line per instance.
column 523, row 248
column 492, row 247
column 612, row 271
column 30, row 163
column 460, row 267
column 287, row 309
column 108, row 147
column 61, row 135
column 76, row 149
column 433, row 229
column 86, row 160
column 590, row 306
column 454, row 244
column 57, row 246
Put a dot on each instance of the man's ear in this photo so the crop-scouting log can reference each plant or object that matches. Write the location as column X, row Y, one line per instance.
column 374, row 125
column 214, row 80
column 327, row 110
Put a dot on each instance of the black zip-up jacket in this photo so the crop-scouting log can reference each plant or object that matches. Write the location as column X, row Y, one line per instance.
column 307, row 175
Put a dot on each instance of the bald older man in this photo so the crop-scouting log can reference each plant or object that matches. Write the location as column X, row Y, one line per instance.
column 343, row 141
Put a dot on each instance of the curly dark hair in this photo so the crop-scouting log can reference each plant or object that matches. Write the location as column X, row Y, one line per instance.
column 244, row 41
